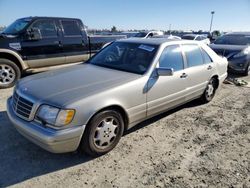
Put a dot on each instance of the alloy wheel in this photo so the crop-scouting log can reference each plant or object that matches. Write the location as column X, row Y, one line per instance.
column 106, row 132
column 7, row 74
column 210, row 91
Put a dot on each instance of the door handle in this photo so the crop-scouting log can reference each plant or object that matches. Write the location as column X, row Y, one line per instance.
column 209, row 67
column 184, row 75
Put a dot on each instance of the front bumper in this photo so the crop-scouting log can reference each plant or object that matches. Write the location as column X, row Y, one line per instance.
column 55, row 141
column 238, row 65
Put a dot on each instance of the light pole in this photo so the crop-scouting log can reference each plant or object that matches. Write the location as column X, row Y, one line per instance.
column 212, row 17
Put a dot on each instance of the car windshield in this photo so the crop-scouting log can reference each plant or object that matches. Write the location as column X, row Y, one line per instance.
column 130, row 57
column 188, row 37
column 233, row 40
column 141, row 34
column 16, row 27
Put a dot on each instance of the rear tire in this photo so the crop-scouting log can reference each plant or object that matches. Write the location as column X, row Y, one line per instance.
column 210, row 90
column 102, row 133
column 9, row 73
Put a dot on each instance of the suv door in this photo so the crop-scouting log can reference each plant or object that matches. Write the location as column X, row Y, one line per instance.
column 46, row 51
column 165, row 92
column 198, row 72
column 73, row 43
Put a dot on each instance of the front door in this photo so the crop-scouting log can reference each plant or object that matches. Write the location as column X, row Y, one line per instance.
column 46, row 51
column 165, row 92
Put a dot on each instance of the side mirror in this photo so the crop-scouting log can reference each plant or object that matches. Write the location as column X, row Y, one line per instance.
column 34, row 34
column 165, row 71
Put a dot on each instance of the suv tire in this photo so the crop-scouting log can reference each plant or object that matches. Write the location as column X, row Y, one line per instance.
column 9, row 73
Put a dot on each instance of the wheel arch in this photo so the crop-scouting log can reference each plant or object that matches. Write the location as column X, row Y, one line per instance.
column 216, row 77
column 117, row 108
column 13, row 56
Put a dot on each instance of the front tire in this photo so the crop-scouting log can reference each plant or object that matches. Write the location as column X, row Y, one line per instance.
column 102, row 133
column 210, row 90
column 246, row 72
column 9, row 73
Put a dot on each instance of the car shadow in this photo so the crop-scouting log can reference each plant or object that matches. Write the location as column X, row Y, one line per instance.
column 154, row 119
column 22, row 160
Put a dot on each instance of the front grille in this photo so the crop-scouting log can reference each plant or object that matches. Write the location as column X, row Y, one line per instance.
column 22, row 106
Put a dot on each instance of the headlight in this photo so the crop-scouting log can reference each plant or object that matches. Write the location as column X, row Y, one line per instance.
column 243, row 53
column 55, row 116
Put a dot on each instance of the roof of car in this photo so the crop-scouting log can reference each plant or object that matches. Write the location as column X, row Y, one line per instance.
column 191, row 35
column 239, row 33
column 152, row 41
column 44, row 17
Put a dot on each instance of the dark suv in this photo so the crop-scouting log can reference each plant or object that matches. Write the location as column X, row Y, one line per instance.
column 236, row 48
column 36, row 42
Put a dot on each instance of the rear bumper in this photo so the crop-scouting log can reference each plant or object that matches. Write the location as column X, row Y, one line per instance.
column 222, row 78
column 55, row 141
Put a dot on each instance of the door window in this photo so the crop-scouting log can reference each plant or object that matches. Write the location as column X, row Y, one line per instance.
column 193, row 55
column 171, row 57
column 46, row 27
column 70, row 28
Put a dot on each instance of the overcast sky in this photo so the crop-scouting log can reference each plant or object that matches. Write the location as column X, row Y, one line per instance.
column 230, row 15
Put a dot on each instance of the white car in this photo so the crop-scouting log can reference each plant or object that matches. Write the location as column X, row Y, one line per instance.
column 148, row 34
column 167, row 37
column 196, row 37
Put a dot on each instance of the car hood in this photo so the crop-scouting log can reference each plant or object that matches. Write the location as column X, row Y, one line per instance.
column 9, row 42
column 66, row 85
column 227, row 50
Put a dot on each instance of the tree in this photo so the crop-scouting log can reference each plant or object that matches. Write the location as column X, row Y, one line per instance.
column 2, row 28
column 113, row 29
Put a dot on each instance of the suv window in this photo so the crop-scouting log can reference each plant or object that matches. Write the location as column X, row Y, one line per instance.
column 70, row 28
column 207, row 58
column 193, row 55
column 46, row 27
column 171, row 57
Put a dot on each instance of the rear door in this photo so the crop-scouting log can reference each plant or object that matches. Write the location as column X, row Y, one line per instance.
column 165, row 92
column 73, row 43
column 46, row 51
column 199, row 70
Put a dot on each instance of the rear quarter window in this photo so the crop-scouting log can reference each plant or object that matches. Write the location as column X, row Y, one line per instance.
column 193, row 55
column 206, row 57
column 198, row 38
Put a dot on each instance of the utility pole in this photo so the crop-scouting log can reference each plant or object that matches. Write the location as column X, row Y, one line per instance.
column 211, row 23
column 170, row 28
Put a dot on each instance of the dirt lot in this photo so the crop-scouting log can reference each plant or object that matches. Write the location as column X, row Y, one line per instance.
column 192, row 146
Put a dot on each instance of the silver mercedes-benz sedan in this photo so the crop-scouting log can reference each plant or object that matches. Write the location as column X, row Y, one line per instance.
column 89, row 106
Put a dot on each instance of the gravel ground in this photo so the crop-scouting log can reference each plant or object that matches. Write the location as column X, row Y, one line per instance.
column 192, row 146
